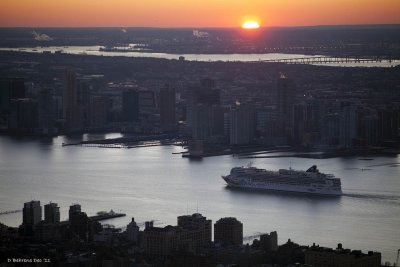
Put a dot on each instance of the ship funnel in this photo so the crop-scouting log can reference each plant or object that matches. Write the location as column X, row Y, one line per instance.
column 313, row 168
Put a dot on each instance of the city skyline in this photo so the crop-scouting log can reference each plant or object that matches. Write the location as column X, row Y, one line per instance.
column 188, row 243
column 176, row 13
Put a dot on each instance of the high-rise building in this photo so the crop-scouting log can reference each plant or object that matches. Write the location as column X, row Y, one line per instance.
column 51, row 213
column 196, row 229
column 206, row 95
column 160, row 242
column 299, row 128
column 70, row 100
column 201, row 126
column 389, row 122
column 74, row 209
column 228, row 231
column 83, row 92
column 31, row 213
column 348, row 125
column 261, row 121
column 10, row 88
column 242, row 125
column 286, row 94
column 98, row 111
column 208, row 122
column 304, row 122
column 132, row 231
column 167, row 108
column 76, row 101
column 269, row 242
column 192, row 233
column 79, row 221
column 218, row 120
column 371, row 130
column 147, row 101
column 46, row 111
column 130, row 106
column 330, row 128
column 23, row 115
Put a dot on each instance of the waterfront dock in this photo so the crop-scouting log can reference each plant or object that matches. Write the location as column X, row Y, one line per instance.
column 9, row 212
column 101, row 216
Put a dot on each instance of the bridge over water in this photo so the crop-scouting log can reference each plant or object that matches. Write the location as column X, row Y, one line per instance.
column 329, row 59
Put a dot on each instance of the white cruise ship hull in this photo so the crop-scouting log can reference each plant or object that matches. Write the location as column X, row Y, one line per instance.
column 307, row 189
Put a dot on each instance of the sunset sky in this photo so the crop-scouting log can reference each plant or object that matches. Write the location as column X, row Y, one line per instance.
column 195, row 13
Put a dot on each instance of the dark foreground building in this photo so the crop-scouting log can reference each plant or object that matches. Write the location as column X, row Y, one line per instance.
column 318, row 256
column 228, row 231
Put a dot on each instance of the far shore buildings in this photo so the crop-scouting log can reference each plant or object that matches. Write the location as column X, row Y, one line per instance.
column 167, row 108
column 241, row 125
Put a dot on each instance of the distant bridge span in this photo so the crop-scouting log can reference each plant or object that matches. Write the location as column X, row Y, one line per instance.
column 327, row 60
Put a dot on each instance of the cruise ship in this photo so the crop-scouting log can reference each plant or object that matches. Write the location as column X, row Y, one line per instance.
column 311, row 181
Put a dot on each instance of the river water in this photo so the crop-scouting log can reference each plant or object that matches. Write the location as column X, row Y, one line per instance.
column 152, row 183
column 94, row 50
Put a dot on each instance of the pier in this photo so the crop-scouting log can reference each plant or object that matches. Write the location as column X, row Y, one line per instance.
column 101, row 216
column 9, row 212
column 129, row 142
column 106, row 216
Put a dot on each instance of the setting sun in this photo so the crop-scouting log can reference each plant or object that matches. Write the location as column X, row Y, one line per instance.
column 251, row 25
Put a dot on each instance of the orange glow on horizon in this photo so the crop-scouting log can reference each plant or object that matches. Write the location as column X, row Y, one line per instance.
column 195, row 13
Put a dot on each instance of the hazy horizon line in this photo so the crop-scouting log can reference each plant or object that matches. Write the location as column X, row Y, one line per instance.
column 194, row 27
